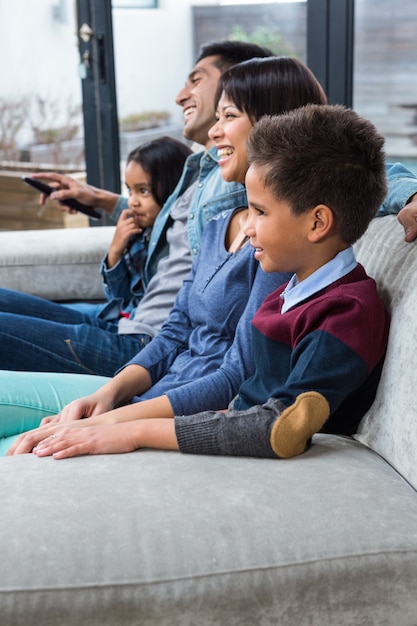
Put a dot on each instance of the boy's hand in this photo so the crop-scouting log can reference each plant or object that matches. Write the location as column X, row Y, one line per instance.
column 408, row 219
column 127, row 227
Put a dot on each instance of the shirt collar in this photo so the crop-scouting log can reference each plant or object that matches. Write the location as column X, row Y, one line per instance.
column 213, row 154
column 295, row 292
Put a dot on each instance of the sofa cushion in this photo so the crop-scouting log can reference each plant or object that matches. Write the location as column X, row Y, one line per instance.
column 390, row 426
column 328, row 538
column 57, row 264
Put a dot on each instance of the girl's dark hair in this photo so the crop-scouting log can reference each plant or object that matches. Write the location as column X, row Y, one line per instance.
column 270, row 86
column 163, row 160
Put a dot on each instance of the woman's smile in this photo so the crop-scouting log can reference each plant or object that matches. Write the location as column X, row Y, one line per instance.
column 224, row 153
column 230, row 134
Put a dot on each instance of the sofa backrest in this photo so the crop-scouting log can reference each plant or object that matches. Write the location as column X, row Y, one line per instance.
column 57, row 264
column 390, row 426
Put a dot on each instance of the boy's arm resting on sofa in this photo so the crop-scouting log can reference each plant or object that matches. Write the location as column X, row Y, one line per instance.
column 408, row 219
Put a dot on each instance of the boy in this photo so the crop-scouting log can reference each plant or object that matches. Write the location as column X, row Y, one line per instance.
column 316, row 179
column 315, row 182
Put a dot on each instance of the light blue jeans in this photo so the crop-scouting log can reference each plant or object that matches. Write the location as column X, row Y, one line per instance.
column 39, row 335
column 27, row 397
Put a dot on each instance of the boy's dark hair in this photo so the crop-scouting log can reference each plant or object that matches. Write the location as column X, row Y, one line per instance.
column 270, row 86
column 163, row 160
column 231, row 52
column 323, row 155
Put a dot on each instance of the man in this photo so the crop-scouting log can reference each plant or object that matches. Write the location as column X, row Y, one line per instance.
column 44, row 342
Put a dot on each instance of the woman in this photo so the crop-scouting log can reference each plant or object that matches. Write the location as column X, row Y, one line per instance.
column 186, row 368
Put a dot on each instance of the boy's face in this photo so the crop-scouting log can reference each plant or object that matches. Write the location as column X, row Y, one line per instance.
column 197, row 100
column 278, row 236
column 142, row 204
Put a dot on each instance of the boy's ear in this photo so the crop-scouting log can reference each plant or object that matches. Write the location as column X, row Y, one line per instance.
column 322, row 222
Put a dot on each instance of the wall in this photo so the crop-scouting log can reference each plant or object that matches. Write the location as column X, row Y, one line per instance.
column 39, row 55
column 153, row 54
column 287, row 19
column 154, row 50
column 385, row 73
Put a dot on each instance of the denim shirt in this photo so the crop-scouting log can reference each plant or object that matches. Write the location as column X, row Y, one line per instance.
column 212, row 195
column 402, row 184
column 124, row 284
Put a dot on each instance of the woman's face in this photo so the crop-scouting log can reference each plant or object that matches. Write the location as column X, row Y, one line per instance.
column 230, row 134
column 141, row 200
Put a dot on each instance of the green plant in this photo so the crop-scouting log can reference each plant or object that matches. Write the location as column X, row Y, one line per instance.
column 44, row 116
column 263, row 36
column 13, row 115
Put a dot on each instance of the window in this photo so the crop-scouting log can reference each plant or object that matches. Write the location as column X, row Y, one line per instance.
column 135, row 4
column 280, row 26
column 385, row 67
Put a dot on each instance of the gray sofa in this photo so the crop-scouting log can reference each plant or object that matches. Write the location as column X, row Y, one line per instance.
column 59, row 264
column 156, row 538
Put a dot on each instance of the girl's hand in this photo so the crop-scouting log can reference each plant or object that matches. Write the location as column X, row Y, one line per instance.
column 27, row 441
column 102, row 439
column 69, row 418
column 127, row 227
column 109, row 438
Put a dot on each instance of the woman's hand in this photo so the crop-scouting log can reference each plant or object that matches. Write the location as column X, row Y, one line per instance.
column 126, row 228
column 94, row 404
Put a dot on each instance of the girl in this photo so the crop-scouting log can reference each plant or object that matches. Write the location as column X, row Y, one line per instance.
column 152, row 172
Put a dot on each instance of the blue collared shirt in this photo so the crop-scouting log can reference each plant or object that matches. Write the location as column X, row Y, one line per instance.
column 296, row 292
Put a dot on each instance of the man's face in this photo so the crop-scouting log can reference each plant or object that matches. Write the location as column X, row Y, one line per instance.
column 197, row 100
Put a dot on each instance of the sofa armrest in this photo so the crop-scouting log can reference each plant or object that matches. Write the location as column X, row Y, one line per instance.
column 58, row 264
